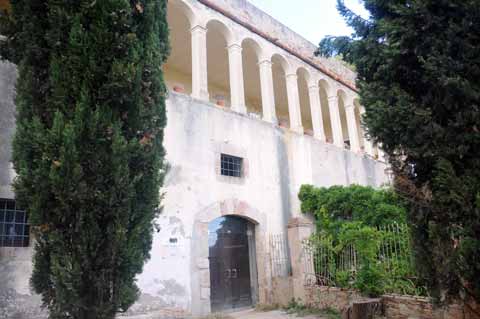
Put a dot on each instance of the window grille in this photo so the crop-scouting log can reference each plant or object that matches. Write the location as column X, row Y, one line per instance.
column 14, row 227
column 231, row 166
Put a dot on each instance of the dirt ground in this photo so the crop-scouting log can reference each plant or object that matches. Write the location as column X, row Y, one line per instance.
column 275, row 314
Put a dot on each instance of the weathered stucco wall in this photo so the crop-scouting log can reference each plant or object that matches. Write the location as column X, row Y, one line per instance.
column 278, row 161
column 8, row 74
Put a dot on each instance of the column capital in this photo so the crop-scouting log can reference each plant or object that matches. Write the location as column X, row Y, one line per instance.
column 315, row 87
column 291, row 76
column 198, row 28
column 349, row 106
column 333, row 97
column 265, row 62
column 234, row 47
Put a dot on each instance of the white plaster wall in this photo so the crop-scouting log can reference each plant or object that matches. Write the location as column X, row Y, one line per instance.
column 8, row 74
column 279, row 161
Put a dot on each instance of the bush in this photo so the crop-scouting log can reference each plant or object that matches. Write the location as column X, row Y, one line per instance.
column 361, row 240
column 334, row 205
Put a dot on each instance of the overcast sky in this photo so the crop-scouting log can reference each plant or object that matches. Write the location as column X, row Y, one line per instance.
column 313, row 19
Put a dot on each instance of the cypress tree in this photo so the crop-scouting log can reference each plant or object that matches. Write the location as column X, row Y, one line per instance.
column 88, row 145
column 418, row 66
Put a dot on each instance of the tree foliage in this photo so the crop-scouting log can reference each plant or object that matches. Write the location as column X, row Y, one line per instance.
column 333, row 206
column 418, row 64
column 88, row 145
column 372, row 223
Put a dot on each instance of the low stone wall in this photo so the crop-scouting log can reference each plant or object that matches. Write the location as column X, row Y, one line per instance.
column 411, row 307
column 330, row 297
column 395, row 306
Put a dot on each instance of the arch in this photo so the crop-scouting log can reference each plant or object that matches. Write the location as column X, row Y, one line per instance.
column 218, row 38
column 185, row 8
column 201, row 304
column 254, row 46
column 282, row 61
column 303, row 79
column 327, row 120
column 342, row 99
column 280, row 67
column 178, row 68
column 251, row 54
column 359, row 125
column 222, row 28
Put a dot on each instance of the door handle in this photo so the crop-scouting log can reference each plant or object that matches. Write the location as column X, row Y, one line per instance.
column 234, row 273
column 228, row 274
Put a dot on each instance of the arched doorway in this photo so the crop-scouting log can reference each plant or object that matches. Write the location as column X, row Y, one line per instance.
column 232, row 262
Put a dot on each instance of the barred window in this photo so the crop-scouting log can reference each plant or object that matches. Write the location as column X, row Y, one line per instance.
column 231, row 165
column 14, row 227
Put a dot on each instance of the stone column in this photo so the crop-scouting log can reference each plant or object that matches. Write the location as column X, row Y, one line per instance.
column 237, row 91
column 336, row 123
column 268, row 98
column 299, row 229
column 199, row 63
column 316, row 111
column 366, row 142
column 381, row 154
column 352, row 128
column 368, row 146
column 294, row 103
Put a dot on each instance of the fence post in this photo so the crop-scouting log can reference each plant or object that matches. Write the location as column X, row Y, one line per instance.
column 299, row 229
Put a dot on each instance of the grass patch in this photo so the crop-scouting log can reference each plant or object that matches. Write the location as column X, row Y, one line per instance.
column 295, row 307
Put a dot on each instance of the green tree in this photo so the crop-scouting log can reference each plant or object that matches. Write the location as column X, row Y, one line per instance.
column 418, row 64
column 88, row 146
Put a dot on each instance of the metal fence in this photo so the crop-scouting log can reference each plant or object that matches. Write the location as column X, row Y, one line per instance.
column 279, row 255
column 328, row 264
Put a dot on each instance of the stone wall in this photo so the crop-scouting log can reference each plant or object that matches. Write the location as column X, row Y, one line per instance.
column 322, row 297
column 412, row 307
column 395, row 306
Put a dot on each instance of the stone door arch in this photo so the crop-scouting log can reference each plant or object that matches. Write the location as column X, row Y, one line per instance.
column 200, row 251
